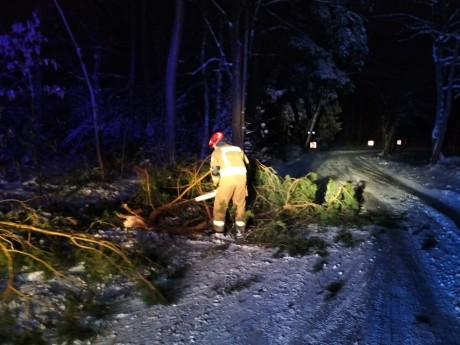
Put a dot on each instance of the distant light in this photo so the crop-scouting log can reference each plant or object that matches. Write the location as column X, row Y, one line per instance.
column 399, row 142
column 370, row 143
column 313, row 144
column 311, row 132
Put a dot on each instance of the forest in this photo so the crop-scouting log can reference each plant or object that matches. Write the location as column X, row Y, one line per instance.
column 109, row 84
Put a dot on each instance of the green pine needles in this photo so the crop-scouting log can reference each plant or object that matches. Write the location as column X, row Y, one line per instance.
column 341, row 198
column 296, row 198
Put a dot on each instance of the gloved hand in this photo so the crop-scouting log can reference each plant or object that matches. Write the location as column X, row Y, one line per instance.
column 215, row 184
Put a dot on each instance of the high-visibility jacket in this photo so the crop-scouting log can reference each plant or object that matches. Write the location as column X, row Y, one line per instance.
column 230, row 161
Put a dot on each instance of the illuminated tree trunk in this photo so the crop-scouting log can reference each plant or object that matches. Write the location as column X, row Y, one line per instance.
column 445, row 77
column 241, row 43
column 313, row 123
column 206, row 104
column 442, row 25
column 170, row 81
column 388, row 139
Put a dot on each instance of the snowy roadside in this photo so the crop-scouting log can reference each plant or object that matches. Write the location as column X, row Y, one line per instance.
column 239, row 294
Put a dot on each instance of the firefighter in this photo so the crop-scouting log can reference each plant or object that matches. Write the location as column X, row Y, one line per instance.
column 228, row 171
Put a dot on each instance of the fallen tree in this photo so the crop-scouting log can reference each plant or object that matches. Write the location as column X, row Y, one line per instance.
column 166, row 195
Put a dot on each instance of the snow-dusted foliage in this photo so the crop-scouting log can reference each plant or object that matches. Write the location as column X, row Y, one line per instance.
column 20, row 51
column 22, row 86
column 326, row 45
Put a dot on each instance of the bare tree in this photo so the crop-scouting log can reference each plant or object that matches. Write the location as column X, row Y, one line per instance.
column 239, row 19
column 398, row 107
column 92, row 95
column 249, row 24
column 21, row 51
column 443, row 26
column 241, row 28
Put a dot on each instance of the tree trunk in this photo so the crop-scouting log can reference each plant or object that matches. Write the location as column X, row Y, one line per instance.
column 127, row 131
column 244, row 15
column 237, row 102
column 313, row 123
column 456, row 139
column 239, row 44
column 170, row 81
column 36, row 89
column 442, row 116
column 94, row 108
column 146, row 65
column 205, row 131
column 388, row 141
column 219, row 104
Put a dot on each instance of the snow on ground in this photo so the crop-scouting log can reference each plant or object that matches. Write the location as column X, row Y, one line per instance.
column 442, row 180
column 399, row 285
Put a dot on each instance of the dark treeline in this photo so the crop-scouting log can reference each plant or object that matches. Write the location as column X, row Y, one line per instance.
column 116, row 82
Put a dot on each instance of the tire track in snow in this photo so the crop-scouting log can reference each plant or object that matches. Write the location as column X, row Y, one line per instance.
column 400, row 182
column 407, row 301
column 406, row 306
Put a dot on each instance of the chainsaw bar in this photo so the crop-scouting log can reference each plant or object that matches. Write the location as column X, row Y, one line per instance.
column 206, row 196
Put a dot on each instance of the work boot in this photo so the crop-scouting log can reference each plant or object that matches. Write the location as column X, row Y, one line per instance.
column 240, row 229
column 219, row 229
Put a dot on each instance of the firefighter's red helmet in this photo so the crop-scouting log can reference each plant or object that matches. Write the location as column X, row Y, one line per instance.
column 215, row 138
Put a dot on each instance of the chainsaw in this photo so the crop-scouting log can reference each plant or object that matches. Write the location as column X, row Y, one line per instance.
column 206, row 196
